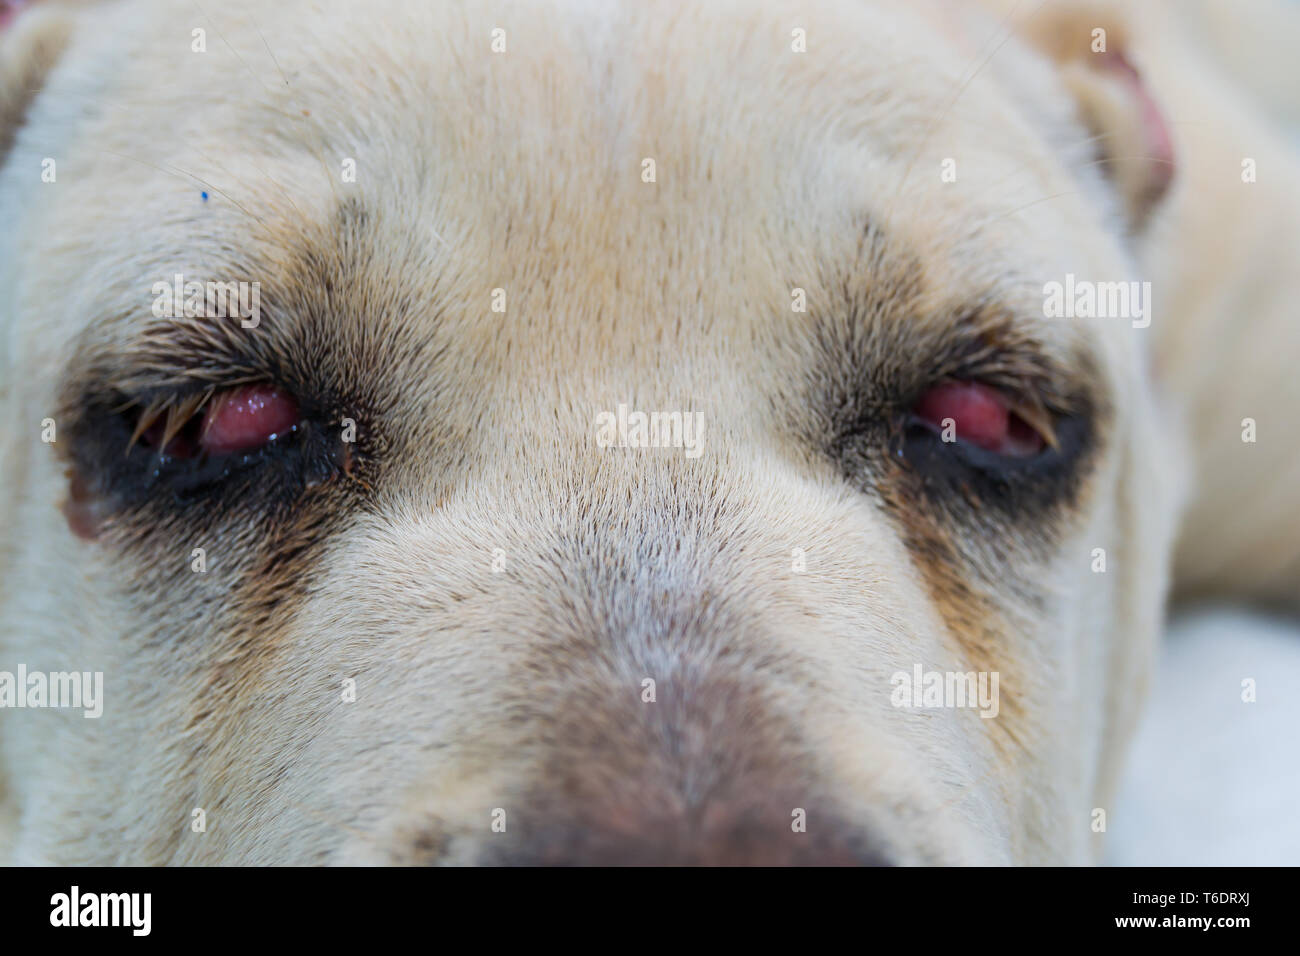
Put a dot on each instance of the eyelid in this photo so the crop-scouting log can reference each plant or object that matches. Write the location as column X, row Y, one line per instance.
column 1027, row 379
column 1039, row 419
column 179, row 410
column 169, row 356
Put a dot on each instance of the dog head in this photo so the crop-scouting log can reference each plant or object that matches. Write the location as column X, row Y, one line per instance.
column 624, row 434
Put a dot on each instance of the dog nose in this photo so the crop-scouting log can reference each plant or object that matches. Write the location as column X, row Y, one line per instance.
column 721, row 834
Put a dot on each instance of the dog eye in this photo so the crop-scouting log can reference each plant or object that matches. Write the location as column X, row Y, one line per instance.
column 244, row 448
column 233, row 421
column 246, row 418
column 976, row 415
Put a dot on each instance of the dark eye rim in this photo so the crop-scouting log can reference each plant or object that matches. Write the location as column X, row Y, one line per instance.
column 917, row 444
column 132, row 474
column 1030, row 428
column 184, row 420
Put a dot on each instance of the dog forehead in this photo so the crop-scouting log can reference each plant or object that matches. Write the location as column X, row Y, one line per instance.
column 604, row 172
column 550, row 103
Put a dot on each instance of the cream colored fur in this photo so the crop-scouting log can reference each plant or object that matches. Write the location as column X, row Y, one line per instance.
column 521, row 170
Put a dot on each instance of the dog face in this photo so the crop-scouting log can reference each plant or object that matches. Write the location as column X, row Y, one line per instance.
column 446, row 609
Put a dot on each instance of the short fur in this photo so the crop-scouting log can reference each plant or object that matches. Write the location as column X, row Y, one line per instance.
column 521, row 689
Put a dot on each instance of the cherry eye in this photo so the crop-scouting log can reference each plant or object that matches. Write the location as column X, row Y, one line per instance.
column 979, row 415
column 237, row 420
column 246, row 418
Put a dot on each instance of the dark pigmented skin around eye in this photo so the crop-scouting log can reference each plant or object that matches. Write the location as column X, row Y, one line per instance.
column 152, row 489
column 902, row 461
column 1014, row 483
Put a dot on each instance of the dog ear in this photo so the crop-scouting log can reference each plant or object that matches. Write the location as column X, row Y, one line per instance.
column 32, row 38
column 1094, row 44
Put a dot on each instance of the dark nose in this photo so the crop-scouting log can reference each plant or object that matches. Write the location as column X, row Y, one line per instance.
column 743, row 832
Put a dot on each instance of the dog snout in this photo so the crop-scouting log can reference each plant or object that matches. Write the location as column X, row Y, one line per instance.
column 707, row 776
column 723, row 832
column 643, row 710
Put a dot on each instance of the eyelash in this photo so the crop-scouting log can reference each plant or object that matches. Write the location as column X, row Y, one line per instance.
column 107, row 452
column 877, row 440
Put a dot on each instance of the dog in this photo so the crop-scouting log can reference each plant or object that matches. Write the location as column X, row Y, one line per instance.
column 658, row 433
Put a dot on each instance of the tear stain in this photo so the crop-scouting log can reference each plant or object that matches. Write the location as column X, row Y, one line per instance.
column 83, row 509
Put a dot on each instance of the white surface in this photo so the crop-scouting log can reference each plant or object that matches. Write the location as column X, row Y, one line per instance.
column 1212, row 780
